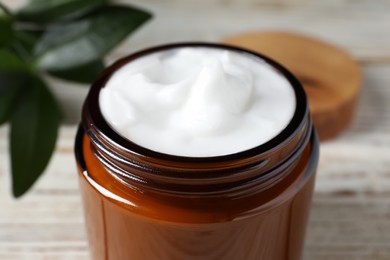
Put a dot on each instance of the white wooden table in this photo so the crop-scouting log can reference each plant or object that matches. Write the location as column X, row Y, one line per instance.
column 350, row 217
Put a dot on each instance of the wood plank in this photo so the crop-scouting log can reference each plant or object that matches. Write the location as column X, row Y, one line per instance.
column 349, row 227
column 358, row 26
column 341, row 227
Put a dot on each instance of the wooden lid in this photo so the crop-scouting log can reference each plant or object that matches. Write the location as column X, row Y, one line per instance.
column 329, row 75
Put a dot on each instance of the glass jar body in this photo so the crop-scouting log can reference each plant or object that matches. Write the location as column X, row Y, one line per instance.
column 144, row 205
column 132, row 223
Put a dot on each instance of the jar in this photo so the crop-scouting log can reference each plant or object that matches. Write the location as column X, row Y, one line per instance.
column 141, row 204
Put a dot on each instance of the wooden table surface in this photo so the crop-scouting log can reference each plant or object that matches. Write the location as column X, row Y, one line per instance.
column 350, row 217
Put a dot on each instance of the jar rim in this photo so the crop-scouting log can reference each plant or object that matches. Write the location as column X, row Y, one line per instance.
column 100, row 125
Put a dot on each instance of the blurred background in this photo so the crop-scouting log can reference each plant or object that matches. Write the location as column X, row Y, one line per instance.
column 350, row 217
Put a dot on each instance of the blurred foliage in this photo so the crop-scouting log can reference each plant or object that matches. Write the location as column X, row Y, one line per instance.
column 67, row 39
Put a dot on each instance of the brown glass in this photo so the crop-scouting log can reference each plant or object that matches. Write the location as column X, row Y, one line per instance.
column 141, row 204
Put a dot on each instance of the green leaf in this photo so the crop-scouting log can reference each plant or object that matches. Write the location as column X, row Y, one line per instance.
column 13, row 74
column 28, row 39
column 11, row 84
column 86, row 73
column 11, row 62
column 24, row 43
column 45, row 11
column 6, row 33
column 64, row 46
column 34, row 127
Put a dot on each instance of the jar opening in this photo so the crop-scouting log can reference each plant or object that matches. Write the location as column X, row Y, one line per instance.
column 98, row 121
column 134, row 164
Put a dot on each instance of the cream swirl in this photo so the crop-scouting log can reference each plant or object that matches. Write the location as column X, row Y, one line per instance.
column 198, row 101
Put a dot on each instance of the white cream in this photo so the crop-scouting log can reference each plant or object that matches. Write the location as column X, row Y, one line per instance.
column 198, row 101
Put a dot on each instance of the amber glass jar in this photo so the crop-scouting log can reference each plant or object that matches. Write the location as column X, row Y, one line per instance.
column 140, row 204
